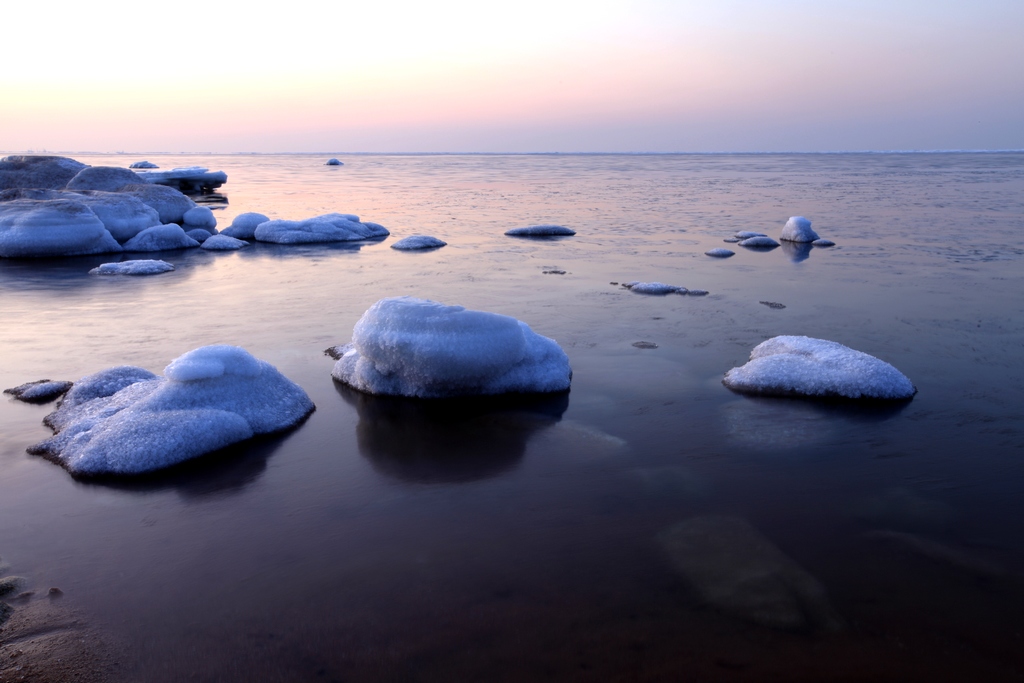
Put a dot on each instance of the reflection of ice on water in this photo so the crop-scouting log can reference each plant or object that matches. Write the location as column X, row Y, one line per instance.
column 774, row 423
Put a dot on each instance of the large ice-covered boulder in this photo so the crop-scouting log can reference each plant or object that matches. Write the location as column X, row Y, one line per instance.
column 48, row 228
column 798, row 229
column 126, row 420
column 187, row 179
column 413, row 347
column 123, row 216
column 45, row 172
column 200, row 217
column 331, row 227
column 168, row 202
column 803, row 366
column 244, row 226
column 160, row 238
column 224, row 243
column 105, row 178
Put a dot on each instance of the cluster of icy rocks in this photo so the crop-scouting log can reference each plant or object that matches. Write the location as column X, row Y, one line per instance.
column 797, row 229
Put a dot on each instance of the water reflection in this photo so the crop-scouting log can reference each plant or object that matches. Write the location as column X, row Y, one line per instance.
column 797, row 251
column 449, row 440
column 72, row 273
column 264, row 249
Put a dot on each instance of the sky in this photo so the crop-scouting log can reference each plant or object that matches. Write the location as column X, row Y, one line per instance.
column 522, row 76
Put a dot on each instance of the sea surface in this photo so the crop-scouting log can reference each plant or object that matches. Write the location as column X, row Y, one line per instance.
column 406, row 541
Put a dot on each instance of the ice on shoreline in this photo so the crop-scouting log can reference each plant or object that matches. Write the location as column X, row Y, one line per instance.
column 818, row 368
column 414, row 242
column 541, row 231
column 413, row 347
column 126, row 421
column 135, row 267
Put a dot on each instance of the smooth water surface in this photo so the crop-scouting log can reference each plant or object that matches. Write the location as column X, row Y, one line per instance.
column 392, row 540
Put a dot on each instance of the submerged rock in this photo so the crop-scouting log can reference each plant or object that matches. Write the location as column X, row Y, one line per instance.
column 541, row 231
column 414, row 347
column 44, row 172
column 803, row 366
column 136, row 267
column 798, row 229
column 418, row 242
column 244, row 226
column 47, row 228
column 10, row 584
column 40, row 391
column 736, row 569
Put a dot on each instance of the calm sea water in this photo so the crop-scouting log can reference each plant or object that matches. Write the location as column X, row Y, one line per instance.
column 386, row 540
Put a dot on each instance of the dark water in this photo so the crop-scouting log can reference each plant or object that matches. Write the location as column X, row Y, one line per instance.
column 391, row 540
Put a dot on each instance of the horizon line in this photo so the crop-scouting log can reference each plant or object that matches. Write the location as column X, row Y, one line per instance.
column 45, row 152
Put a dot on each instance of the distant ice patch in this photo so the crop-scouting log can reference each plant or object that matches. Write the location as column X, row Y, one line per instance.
column 332, row 227
column 657, row 288
column 802, row 366
column 418, row 242
column 143, row 164
column 136, row 267
column 224, row 243
column 413, row 347
column 719, row 252
column 541, row 231
column 161, row 238
column 798, row 229
column 127, row 421
column 333, row 162
column 244, row 226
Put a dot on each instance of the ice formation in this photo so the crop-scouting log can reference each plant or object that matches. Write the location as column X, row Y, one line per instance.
column 168, row 202
column 540, row 231
column 57, row 227
column 413, row 347
column 747, row 234
column 143, row 164
column 136, row 267
column 244, row 225
column 187, row 179
column 331, row 227
column 719, row 252
column 798, row 229
column 126, row 420
column 802, row 366
column 653, row 288
column 200, row 217
column 198, row 234
column 823, row 243
column 160, row 238
column 103, row 178
column 40, row 391
column 224, row 243
column 45, row 172
column 761, row 242
column 122, row 215
column 418, row 242
column 333, row 162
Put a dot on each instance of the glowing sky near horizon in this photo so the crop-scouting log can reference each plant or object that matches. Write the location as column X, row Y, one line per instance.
column 551, row 75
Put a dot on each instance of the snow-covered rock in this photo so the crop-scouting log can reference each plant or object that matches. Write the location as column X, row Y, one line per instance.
column 104, row 178
column 333, row 162
column 760, row 242
column 122, row 215
column 160, row 238
column 143, row 164
column 44, row 172
column 747, row 234
column 541, row 231
column 40, row 391
column 200, row 217
column 331, row 227
column 57, row 227
column 798, row 229
column 413, row 347
column 244, row 225
column 168, row 202
column 823, row 243
column 657, row 288
column 198, row 234
column 803, row 366
column 418, row 242
column 224, row 243
column 187, row 179
column 127, row 421
column 136, row 267
column 719, row 252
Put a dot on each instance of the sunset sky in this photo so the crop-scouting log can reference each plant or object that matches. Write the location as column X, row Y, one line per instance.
column 524, row 76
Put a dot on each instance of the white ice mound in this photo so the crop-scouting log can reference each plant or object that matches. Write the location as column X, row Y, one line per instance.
column 414, row 347
column 223, row 243
column 657, row 288
column 802, row 366
column 58, row 227
column 143, row 164
column 540, row 231
column 200, row 217
column 759, row 242
column 798, row 229
column 136, row 267
column 331, row 227
column 418, row 242
column 244, row 226
column 128, row 421
column 161, row 238
column 719, row 252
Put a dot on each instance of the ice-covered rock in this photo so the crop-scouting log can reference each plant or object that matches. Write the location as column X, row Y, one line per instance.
column 44, row 172
column 719, row 252
column 736, row 569
column 224, row 243
column 418, row 242
column 333, row 162
column 414, row 347
column 143, row 164
column 57, row 227
column 122, row 215
column 200, row 217
column 198, row 234
column 657, row 288
column 823, row 243
column 193, row 179
column 244, row 225
column 798, row 229
column 802, row 366
column 128, row 421
column 135, row 267
column 747, row 234
column 541, row 231
column 168, row 202
column 160, row 238
column 331, row 227
column 40, row 391
column 761, row 242
column 104, row 178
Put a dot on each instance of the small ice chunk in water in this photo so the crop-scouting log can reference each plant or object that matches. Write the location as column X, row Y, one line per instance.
column 803, row 366
column 747, row 234
column 719, row 252
column 653, row 288
column 413, row 347
column 331, row 227
column 541, row 231
column 244, row 226
column 418, row 242
column 333, row 162
column 798, row 229
column 136, row 267
column 160, row 238
column 762, row 242
column 224, row 243
column 823, row 243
